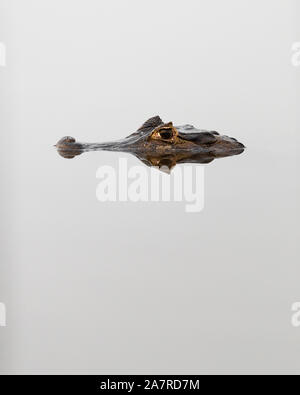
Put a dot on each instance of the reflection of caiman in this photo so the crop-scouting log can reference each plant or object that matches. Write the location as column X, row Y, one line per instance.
column 161, row 144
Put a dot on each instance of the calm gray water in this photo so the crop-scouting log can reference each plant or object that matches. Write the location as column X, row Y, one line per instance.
column 126, row 287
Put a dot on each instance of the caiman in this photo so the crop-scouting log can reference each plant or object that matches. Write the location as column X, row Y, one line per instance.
column 161, row 144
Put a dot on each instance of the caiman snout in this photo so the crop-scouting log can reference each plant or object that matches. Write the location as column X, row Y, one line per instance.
column 68, row 148
column 63, row 142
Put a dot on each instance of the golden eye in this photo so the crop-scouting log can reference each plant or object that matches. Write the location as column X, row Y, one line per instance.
column 166, row 134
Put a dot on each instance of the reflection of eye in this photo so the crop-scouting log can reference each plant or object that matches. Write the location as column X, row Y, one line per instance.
column 166, row 134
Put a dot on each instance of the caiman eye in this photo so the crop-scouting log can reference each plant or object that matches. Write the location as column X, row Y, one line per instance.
column 166, row 134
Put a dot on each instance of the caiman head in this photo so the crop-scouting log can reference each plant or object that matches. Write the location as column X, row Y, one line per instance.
column 156, row 142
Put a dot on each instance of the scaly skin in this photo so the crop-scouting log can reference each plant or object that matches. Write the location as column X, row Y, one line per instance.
column 156, row 142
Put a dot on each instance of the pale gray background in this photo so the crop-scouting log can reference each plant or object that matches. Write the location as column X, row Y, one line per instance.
column 147, row 288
